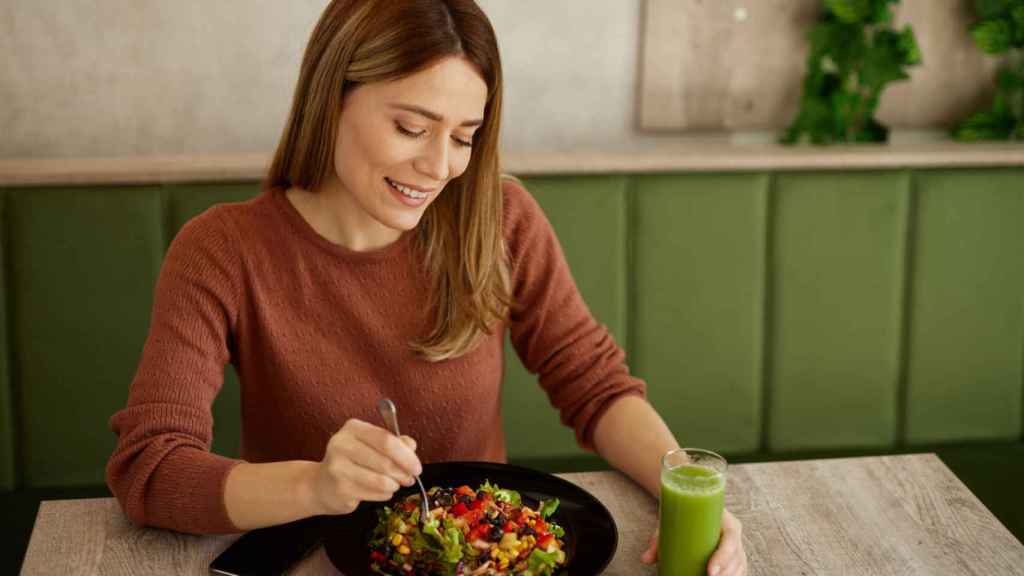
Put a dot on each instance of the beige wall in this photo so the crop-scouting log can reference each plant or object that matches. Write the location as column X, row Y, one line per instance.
column 127, row 77
column 141, row 77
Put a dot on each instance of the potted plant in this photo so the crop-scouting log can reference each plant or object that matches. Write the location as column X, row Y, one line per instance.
column 854, row 53
column 999, row 31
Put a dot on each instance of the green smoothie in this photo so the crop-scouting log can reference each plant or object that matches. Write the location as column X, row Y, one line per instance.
column 691, row 517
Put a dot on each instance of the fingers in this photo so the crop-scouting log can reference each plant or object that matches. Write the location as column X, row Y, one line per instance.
column 729, row 559
column 364, row 455
column 408, row 440
column 650, row 556
column 387, row 444
column 364, row 462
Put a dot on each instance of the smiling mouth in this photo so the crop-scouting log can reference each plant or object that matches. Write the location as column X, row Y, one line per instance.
column 405, row 190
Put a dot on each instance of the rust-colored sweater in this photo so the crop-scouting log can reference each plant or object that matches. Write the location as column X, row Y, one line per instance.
column 318, row 334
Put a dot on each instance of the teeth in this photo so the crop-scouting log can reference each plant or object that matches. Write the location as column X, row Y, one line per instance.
column 406, row 190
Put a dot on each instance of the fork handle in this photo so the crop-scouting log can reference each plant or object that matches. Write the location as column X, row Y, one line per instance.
column 387, row 411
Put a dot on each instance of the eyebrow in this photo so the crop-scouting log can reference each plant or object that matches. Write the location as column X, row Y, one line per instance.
column 433, row 115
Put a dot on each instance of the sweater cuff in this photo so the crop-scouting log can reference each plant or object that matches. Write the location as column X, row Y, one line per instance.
column 193, row 496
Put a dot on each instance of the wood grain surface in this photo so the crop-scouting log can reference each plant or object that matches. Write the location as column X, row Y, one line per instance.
column 864, row 516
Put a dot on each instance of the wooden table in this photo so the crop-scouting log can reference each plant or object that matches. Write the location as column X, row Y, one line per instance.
column 881, row 515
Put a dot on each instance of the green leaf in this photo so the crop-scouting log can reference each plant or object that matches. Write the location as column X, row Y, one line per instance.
column 908, row 46
column 882, row 14
column 541, row 562
column 993, row 36
column 510, row 496
column 823, row 38
column 984, row 126
column 992, row 9
column 548, row 507
column 1009, row 80
column 850, row 11
column 1017, row 15
column 885, row 61
column 872, row 131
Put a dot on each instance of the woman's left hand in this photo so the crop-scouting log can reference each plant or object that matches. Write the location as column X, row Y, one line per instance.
column 728, row 560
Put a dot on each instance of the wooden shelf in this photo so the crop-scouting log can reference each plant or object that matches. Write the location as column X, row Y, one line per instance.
column 688, row 157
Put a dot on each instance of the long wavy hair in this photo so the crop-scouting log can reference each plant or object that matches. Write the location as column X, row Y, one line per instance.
column 460, row 235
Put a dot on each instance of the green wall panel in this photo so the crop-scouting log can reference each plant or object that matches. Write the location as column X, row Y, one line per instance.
column 964, row 367
column 8, row 471
column 183, row 204
column 589, row 216
column 83, row 263
column 697, row 302
column 837, row 270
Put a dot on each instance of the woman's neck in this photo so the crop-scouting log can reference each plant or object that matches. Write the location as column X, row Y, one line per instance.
column 334, row 215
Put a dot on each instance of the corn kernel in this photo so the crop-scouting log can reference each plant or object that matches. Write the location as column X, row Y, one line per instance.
column 396, row 539
column 403, row 550
column 494, row 552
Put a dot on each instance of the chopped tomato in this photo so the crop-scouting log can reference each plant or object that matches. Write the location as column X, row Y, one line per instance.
column 459, row 509
column 377, row 556
column 465, row 490
column 540, row 525
column 510, row 526
column 544, row 539
column 477, row 504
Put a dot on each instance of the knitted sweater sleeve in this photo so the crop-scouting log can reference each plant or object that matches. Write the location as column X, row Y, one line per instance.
column 162, row 470
column 581, row 368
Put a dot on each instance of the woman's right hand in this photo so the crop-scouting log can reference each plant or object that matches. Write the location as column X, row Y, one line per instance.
column 363, row 462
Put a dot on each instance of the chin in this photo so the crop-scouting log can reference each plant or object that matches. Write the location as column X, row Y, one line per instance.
column 403, row 222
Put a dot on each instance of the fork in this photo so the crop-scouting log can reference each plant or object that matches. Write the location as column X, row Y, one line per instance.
column 387, row 411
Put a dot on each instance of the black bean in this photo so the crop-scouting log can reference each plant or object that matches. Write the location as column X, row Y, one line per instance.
column 495, row 534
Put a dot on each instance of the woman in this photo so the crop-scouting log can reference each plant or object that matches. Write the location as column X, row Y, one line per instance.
column 385, row 258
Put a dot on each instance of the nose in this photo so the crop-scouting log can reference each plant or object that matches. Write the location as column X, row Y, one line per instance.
column 434, row 161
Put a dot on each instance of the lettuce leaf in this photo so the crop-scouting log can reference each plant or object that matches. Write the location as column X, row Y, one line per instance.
column 548, row 507
column 500, row 494
column 451, row 540
column 541, row 562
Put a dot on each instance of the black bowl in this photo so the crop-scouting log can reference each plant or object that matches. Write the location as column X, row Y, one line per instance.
column 590, row 533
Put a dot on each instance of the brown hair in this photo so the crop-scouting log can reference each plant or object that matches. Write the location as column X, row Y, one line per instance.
column 361, row 41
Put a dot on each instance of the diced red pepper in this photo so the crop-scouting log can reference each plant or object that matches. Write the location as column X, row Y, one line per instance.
column 477, row 504
column 459, row 509
column 377, row 556
column 473, row 516
column 544, row 539
column 479, row 532
column 540, row 525
column 465, row 491
column 510, row 526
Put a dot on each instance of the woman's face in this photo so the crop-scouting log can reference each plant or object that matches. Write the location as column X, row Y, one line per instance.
column 400, row 142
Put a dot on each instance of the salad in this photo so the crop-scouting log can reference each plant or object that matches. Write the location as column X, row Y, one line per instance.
column 484, row 532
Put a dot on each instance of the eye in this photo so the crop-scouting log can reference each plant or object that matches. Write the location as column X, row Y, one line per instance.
column 463, row 143
column 403, row 130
